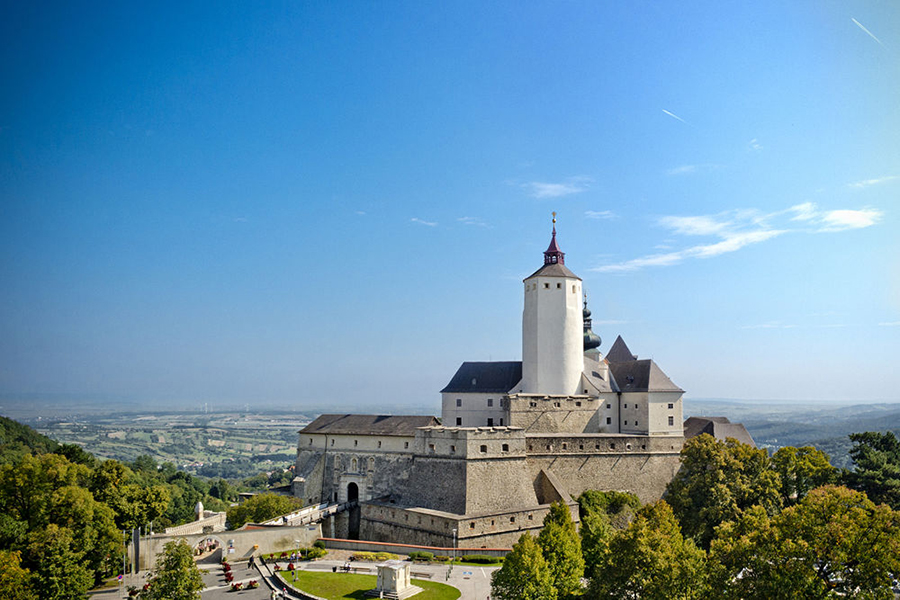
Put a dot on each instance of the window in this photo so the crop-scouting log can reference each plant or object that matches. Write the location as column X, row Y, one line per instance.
column 483, row 448
column 431, row 447
column 626, row 422
column 558, row 286
column 531, row 517
column 533, row 404
column 505, row 447
column 490, row 422
column 671, row 420
column 472, row 525
column 546, row 286
column 581, row 446
column 612, row 446
column 458, row 421
column 453, row 449
column 608, row 420
column 354, row 465
column 501, row 421
column 371, row 464
column 637, row 405
column 458, row 402
column 310, row 441
column 608, row 406
column 406, row 444
column 573, row 289
column 379, row 443
column 635, row 423
column 490, row 402
column 624, row 406
column 512, row 519
column 577, row 403
column 671, row 406
column 356, row 442
column 332, row 442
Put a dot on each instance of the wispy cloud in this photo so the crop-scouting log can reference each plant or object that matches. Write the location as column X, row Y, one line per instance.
column 360, row 212
column 599, row 214
column 755, row 145
column 769, row 325
column 674, row 116
column 690, row 169
column 739, row 229
column 474, row 221
column 543, row 189
column 423, row 222
column 869, row 33
column 890, row 324
column 867, row 182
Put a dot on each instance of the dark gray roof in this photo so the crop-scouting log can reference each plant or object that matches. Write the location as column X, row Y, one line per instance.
column 485, row 377
column 370, row 424
column 718, row 427
column 619, row 352
column 641, row 376
column 554, row 270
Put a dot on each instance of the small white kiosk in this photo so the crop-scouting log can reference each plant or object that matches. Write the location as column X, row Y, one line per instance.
column 393, row 581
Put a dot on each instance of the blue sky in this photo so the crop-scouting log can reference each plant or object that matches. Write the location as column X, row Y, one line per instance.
column 334, row 203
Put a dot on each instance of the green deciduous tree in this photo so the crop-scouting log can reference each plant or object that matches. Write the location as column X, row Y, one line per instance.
column 801, row 470
column 262, row 507
column 876, row 457
column 650, row 560
column 595, row 534
column 835, row 544
column 176, row 576
column 717, row 481
column 15, row 581
column 561, row 547
column 61, row 573
column 524, row 575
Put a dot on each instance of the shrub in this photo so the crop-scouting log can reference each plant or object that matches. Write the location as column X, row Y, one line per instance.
column 481, row 559
column 316, row 553
column 423, row 556
column 319, row 544
column 440, row 558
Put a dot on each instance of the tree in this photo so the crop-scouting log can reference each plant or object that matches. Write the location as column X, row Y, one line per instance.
column 801, row 470
column 561, row 547
column 595, row 534
column 524, row 574
column 15, row 581
column 61, row 573
column 619, row 507
column 876, row 457
column 650, row 560
column 176, row 576
column 261, row 507
column 717, row 481
column 835, row 544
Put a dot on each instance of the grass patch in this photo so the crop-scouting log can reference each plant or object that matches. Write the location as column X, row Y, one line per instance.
column 344, row 586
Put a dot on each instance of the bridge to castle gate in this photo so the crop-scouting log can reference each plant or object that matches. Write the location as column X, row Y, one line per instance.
column 286, row 532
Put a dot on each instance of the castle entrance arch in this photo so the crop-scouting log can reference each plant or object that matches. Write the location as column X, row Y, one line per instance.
column 353, row 496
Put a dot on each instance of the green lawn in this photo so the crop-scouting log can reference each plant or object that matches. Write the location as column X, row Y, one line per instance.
column 340, row 586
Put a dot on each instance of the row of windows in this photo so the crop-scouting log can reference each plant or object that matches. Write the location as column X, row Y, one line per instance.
column 512, row 519
column 354, row 464
column 490, row 402
column 533, row 286
column 490, row 422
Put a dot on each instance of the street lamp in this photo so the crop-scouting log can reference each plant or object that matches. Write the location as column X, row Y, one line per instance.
column 454, row 544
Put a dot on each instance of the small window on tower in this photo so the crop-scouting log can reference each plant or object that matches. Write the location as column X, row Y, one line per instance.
column 573, row 289
column 626, row 422
column 490, row 422
column 558, row 286
column 624, row 406
column 608, row 420
column 406, row 444
column 505, row 448
column 490, row 402
column 671, row 406
column 458, row 421
column 546, row 286
column 483, row 448
column 671, row 421
column 458, row 402
column 452, row 448
column 501, row 421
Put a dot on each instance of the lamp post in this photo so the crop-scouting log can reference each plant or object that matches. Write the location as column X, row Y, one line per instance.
column 454, row 544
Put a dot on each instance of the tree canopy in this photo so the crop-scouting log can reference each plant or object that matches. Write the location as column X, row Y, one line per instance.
column 176, row 576
column 262, row 507
column 717, row 481
column 876, row 457
column 561, row 547
column 524, row 574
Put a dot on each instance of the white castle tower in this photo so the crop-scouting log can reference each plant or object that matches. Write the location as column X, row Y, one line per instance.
column 552, row 327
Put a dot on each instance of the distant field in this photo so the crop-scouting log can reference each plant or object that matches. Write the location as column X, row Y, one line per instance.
column 227, row 444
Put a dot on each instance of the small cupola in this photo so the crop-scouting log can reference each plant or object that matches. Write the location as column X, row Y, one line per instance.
column 591, row 339
column 553, row 255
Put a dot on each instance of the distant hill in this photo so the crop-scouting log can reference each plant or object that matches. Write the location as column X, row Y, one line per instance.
column 17, row 439
column 826, row 426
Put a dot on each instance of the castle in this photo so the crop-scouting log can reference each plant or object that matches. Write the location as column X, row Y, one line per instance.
column 513, row 436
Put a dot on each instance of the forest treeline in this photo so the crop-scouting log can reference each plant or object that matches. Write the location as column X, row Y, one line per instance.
column 734, row 524
column 63, row 512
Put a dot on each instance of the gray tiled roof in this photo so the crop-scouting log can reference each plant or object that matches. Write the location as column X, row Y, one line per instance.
column 619, row 352
column 718, row 427
column 593, row 378
column 554, row 270
column 485, row 377
column 370, row 424
column 641, row 376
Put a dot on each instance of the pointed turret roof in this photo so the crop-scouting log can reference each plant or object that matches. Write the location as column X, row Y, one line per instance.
column 554, row 260
column 620, row 352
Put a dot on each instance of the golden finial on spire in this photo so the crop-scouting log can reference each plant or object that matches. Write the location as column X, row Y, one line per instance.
column 554, row 217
